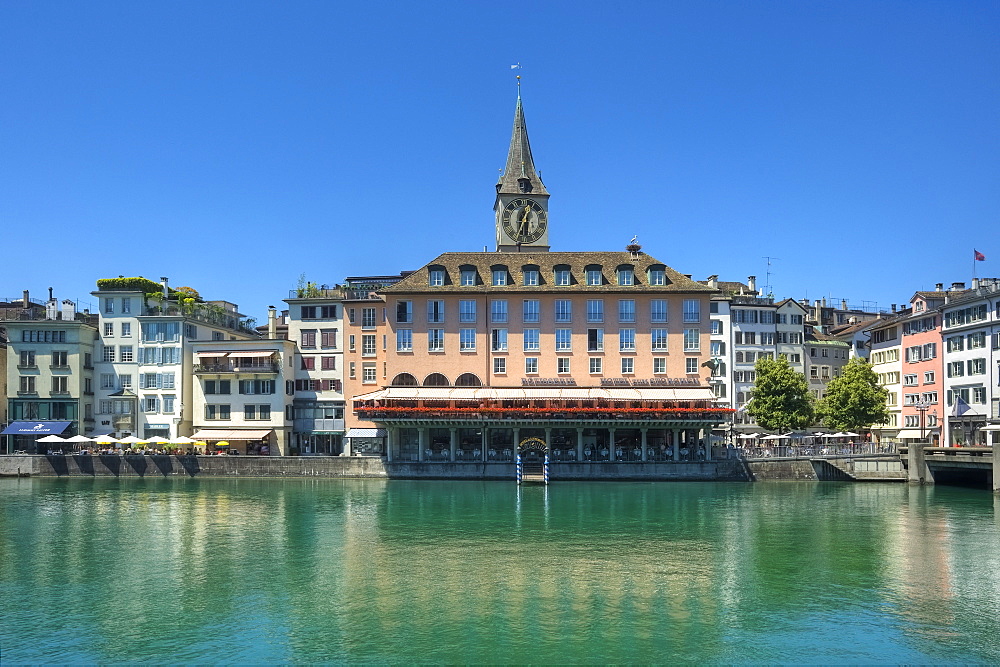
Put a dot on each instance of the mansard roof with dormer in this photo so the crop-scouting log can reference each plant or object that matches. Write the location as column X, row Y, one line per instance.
column 451, row 265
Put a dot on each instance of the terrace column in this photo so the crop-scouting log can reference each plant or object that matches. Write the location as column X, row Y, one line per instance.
column 643, row 444
column 548, row 439
column 482, row 445
column 708, row 443
column 517, row 438
column 390, row 437
column 421, row 442
column 676, row 443
column 452, row 443
column 611, row 445
column 579, row 443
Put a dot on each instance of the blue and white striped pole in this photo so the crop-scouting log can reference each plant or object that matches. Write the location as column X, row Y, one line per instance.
column 520, row 472
column 545, row 469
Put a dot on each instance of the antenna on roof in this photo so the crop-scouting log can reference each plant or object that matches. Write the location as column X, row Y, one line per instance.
column 767, row 277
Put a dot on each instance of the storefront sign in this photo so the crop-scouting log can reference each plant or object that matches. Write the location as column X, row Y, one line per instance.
column 651, row 382
column 548, row 382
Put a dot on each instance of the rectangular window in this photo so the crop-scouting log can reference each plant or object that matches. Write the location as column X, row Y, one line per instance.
column 499, row 277
column 531, row 311
column 467, row 310
column 659, row 339
column 467, row 340
column 564, row 340
column 562, row 365
column 126, row 353
column 692, row 340
column 531, row 277
column 499, row 340
column 564, row 310
column 531, row 338
column 27, row 384
column 168, row 405
column 60, row 384
column 328, row 338
column 977, row 366
column 956, row 369
column 368, row 374
column 368, row 316
column 498, row 310
column 328, row 363
column 658, row 310
column 979, row 394
column 435, row 311
column 126, row 304
column 109, row 353
column 435, row 340
column 626, row 340
column 499, row 365
column 595, row 340
column 351, row 370
column 350, row 343
column 626, row 310
column 404, row 312
column 150, row 404
column 216, row 411
column 531, row 365
column 307, row 338
column 625, row 276
column 691, row 365
column 628, row 365
column 692, row 310
column 109, row 328
column 404, row 340
column 468, row 277
column 109, row 305
column 127, row 330
column 368, row 345
column 659, row 365
column 562, row 277
column 595, row 310
column 657, row 277
column 108, row 381
column 594, row 277
column 929, row 377
column 596, row 365
column 28, row 359
column 436, row 277
column 308, row 363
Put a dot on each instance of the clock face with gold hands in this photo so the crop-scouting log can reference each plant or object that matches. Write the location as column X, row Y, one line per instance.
column 524, row 220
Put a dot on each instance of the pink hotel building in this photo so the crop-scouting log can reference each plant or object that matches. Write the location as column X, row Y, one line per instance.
column 585, row 356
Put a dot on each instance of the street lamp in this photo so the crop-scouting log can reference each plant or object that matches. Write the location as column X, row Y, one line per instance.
column 922, row 407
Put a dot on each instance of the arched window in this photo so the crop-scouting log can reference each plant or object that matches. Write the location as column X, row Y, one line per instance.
column 468, row 380
column 436, row 380
column 404, row 380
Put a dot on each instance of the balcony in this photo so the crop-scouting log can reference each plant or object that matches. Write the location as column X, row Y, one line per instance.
column 270, row 367
column 323, row 292
column 311, row 425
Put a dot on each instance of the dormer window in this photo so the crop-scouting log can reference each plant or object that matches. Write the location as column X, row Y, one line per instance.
column 468, row 277
column 436, row 277
column 657, row 275
column 594, row 275
column 626, row 276
column 562, row 275
column 524, row 185
column 499, row 276
column 530, row 276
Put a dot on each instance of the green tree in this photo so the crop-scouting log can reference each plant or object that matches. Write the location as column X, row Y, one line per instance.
column 854, row 400
column 780, row 398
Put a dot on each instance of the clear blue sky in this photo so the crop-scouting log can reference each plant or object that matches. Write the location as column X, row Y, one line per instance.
column 233, row 146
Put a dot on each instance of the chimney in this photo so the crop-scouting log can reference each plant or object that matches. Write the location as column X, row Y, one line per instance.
column 68, row 310
column 938, row 287
column 166, row 290
column 27, row 301
column 975, row 283
column 824, row 302
column 957, row 286
column 713, row 282
column 51, row 308
column 272, row 322
column 752, row 284
column 843, row 304
column 893, row 306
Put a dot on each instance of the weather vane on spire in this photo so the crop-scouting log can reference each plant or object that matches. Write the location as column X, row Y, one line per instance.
column 518, row 77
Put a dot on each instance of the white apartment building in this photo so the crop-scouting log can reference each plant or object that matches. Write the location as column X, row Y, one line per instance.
column 316, row 326
column 143, row 363
column 242, row 394
column 971, row 344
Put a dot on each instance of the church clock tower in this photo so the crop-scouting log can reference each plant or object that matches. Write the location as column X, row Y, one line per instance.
column 522, row 204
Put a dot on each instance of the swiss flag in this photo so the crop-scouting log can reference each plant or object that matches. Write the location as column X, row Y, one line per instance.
column 980, row 257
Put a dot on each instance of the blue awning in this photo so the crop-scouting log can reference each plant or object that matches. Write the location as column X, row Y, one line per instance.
column 35, row 428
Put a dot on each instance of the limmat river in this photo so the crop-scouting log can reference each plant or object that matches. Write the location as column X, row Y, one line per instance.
column 362, row 571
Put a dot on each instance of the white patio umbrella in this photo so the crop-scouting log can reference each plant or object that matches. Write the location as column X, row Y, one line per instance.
column 79, row 438
column 848, row 434
column 183, row 440
column 746, row 436
column 157, row 441
column 52, row 439
column 772, row 437
column 131, row 440
column 105, row 440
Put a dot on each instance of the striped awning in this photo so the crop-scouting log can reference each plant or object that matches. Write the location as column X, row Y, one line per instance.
column 212, row 354
column 231, row 434
column 253, row 354
column 366, row 433
column 541, row 393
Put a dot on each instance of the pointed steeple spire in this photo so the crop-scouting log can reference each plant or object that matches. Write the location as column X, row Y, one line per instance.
column 519, row 176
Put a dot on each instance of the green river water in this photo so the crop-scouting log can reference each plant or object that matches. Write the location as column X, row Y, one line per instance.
column 362, row 571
